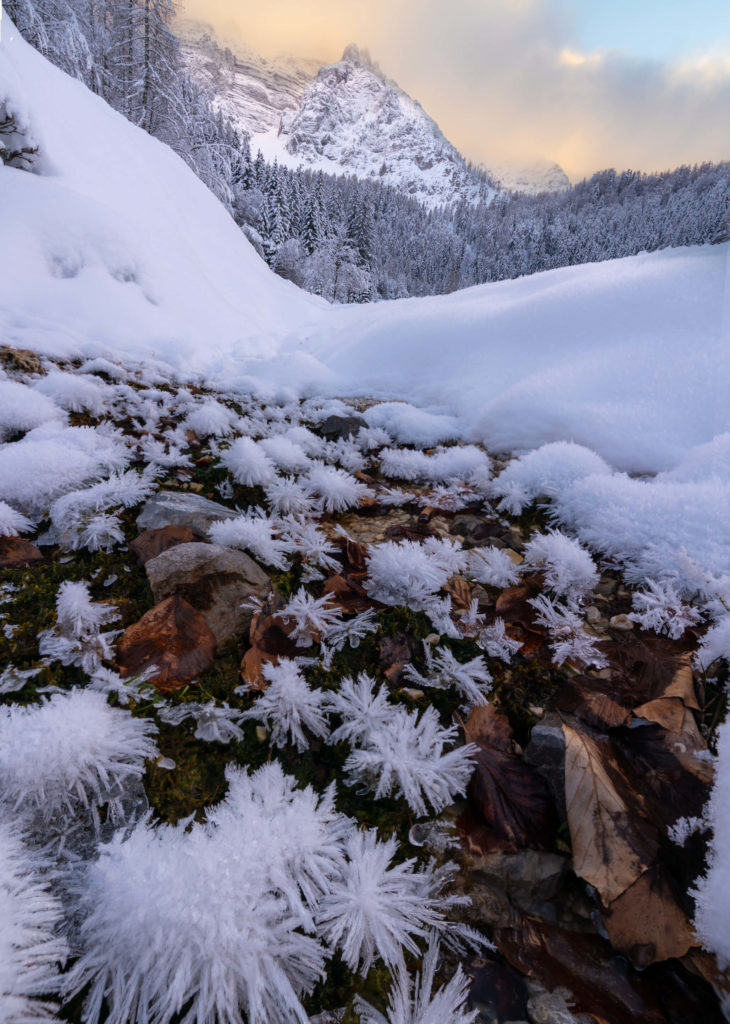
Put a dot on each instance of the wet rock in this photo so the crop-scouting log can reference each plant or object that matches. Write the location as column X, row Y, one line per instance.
column 476, row 531
column 20, row 359
column 496, row 990
column 546, row 753
column 336, row 427
column 152, row 543
column 172, row 642
column 179, row 508
column 214, row 580
column 506, row 886
column 16, row 553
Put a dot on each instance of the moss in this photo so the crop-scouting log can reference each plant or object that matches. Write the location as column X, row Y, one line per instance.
column 196, row 781
column 522, row 685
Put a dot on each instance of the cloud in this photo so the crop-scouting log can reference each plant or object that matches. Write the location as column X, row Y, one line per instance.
column 509, row 79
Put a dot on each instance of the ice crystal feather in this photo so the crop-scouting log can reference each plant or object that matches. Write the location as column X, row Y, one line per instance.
column 471, row 678
column 12, row 522
column 335, row 488
column 417, row 1003
column 204, row 923
column 405, row 756
column 409, row 573
column 568, row 568
column 289, row 706
column 248, row 463
column 377, row 908
column 659, row 607
column 363, row 710
column 71, row 750
column 29, row 948
column 312, row 617
column 254, row 532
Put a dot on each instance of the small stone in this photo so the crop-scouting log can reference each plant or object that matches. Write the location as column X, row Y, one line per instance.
column 167, row 763
column 180, row 508
column 593, row 616
column 433, row 639
column 514, row 556
column 336, row 427
column 262, row 733
column 622, row 623
column 546, row 753
column 152, row 543
column 413, row 694
column 16, row 553
column 606, row 588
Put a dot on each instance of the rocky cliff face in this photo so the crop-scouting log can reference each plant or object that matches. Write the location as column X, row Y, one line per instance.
column 347, row 117
column 253, row 90
column 352, row 118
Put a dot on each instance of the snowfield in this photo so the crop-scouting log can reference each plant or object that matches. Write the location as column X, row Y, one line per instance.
column 611, row 382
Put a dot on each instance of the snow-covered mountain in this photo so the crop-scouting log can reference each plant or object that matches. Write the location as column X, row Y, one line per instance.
column 254, row 91
column 353, row 119
column 533, row 178
column 346, row 117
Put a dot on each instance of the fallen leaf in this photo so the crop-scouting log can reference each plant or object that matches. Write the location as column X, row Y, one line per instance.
column 611, row 846
column 460, row 592
column 415, row 531
column 353, row 554
column 346, row 593
column 251, row 665
column 395, row 654
column 173, row 638
column 647, row 923
column 16, row 553
column 510, row 801
column 586, row 966
column 585, row 697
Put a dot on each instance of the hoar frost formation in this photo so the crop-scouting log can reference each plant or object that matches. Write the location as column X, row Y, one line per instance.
column 239, row 911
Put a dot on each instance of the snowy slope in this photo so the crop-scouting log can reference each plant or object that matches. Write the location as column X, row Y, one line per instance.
column 254, row 91
column 117, row 244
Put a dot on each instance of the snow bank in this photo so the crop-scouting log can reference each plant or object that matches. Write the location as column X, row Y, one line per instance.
column 117, row 246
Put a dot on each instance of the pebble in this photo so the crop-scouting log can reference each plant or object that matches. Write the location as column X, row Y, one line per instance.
column 621, row 622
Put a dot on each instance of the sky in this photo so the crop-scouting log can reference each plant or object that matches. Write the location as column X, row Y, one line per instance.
column 641, row 84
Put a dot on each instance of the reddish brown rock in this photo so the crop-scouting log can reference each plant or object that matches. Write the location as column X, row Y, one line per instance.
column 152, row 543
column 173, row 639
column 16, row 553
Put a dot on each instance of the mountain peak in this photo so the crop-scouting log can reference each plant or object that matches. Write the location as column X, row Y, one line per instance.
column 354, row 55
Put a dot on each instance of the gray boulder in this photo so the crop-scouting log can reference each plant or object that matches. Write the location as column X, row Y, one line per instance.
column 182, row 508
column 214, row 580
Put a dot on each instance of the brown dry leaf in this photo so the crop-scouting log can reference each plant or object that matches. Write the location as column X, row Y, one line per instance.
column 509, row 800
column 611, row 847
column 346, row 593
column 668, row 712
column 647, row 923
column 174, row 638
column 151, row 543
column 585, row 697
column 16, row 553
column 460, row 592
column 415, row 531
column 585, row 965
column 354, row 555
column 645, row 668
column 670, row 774
column 395, row 654
column 253, row 661
column 705, row 966
column 682, row 684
